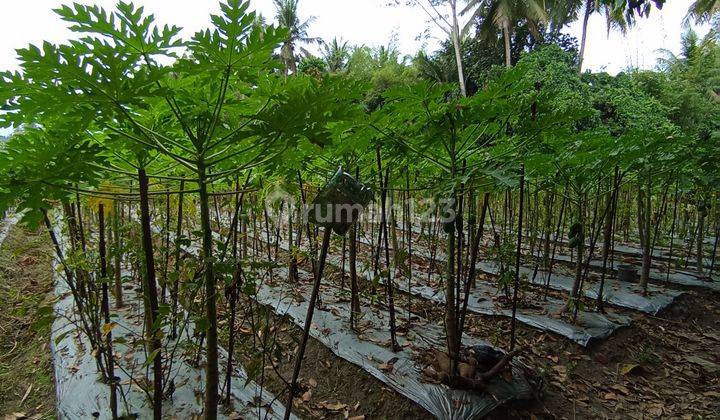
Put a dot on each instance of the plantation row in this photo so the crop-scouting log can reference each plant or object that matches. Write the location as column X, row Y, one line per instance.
column 180, row 182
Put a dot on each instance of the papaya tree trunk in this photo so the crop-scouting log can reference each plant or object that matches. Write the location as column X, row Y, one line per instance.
column 451, row 316
column 308, row 321
column 389, row 286
column 471, row 280
column 176, row 276
column 645, row 203
column 109, row 358
column 580, row 254
column 352, row 257
column 80, row 224
column 408, row 232
column 714, row 251
column 518, row 251
column 700, row 241
column 118, row 257
column 672, row 231
column 150, row 286
column 292, row 260
column 232, row 294
column 166, row 251
column 607, row 237
column 211, row 369
column 556, row 239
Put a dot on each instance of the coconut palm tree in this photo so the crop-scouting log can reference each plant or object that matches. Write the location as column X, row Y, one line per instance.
column 259, row 23
column 614, row 17
column 336, row 54
column 504, row 15
column 702, row 11
column 448, row 22
column 287, row 17
column 619, row 15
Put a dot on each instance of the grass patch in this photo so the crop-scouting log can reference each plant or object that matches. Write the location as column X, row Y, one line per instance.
column 26, row 374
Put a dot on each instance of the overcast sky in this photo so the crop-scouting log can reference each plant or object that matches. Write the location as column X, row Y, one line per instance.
column 369, row 22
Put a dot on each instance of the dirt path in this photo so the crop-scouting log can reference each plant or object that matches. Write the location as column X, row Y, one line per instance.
column 26, row 379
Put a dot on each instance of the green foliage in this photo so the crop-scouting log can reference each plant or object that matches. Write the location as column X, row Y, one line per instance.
column 554, row 71
column 645, row 355
column 312, row 66
column 336, row 55
column 34, row 163
column 120, row 97
column 382, row 68
column 484, row 58
column 689, row 88
column 296, row 33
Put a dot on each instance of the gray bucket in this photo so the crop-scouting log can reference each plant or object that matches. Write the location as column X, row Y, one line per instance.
column 627, row 272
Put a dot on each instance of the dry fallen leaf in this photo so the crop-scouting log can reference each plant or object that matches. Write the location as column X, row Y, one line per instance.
column 655, row 409
column 601, row 358
column 27, row 394
column 307, row 395
column 333, row 406
column 706, row 364
column 312, row 382
column 610, row 396
column 107, row 328
column 621, row 389
column 386, row 367
column 629, row 368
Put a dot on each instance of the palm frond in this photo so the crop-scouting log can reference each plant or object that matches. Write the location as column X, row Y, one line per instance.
column 702, row 11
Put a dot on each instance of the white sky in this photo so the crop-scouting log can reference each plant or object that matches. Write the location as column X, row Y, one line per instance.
column 369, row 22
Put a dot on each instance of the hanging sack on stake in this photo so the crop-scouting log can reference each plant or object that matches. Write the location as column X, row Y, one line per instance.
column 339, row 203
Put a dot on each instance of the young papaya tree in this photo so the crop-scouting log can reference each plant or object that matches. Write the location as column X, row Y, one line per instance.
column 218, row 110
column 646, row 144
column 41, row 165
column 458, row 136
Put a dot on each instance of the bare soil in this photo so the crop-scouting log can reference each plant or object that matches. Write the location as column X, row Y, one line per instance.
column 26, row 373
column 331, row 386
column 664, row 366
